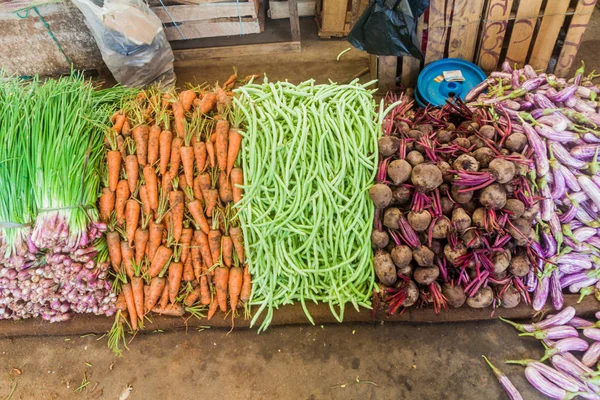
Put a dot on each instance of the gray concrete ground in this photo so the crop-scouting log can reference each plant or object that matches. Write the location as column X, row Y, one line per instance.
column 365, row 361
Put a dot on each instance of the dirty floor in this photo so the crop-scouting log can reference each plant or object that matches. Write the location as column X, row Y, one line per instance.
column 390, row 361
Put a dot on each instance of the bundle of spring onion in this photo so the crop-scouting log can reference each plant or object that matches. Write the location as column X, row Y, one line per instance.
column 560, row 119
column 52, row 259
column 309, row 156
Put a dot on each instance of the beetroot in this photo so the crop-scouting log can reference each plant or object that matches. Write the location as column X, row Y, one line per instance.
column 391, row 218
column 444, row 167
column 520, row 229
column 425, row 128
column 444, row 136
column 379, row 239
column 414, row 134
column 402, row 255
column 426, row 177
column 399, row 171
column 531, row 212
column 419, row 221
column 471, row 239
column 462, row 142
column 482, row 299
column 426, row 275
column 460, row 219
column 401, row 195
column 515, row 208
column 381, row 195
column 412, row 294
column 478, row 217
column 484, row 155
column 384, row 268
column 487, row 131
column 454, row 294
column 476, row 142
column 441, row 228
column 519, row 266
column 460, row 198
column 453, row 254
column 423, row 256
column 503, row 170
column 516, row 142
column 388, row 145
column 501, row 261
column 447, row 206
column 415, row 158
column 510, row 298
column 465, row 162
column 493, row 196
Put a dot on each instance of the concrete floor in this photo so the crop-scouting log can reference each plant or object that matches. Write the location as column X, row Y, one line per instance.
column 390, row 361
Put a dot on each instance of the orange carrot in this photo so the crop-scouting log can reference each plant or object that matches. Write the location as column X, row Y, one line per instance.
column 174, row 281
column 142, row 235
column 176, row 154
column 207, row 103
column 121, row 146
column 172, row 310
column 160, row 260
column 145, row 199
column 121, row 303
column 140, row 135
column 164, row 297
column 167, row 181
column 235, row 286
column 179, row 119
column 186, row 241
column 165, row 140
column 195, row 208
column 132, row 170
column 122, row 195
column 237, row 179
column 222, row 98
column 154, row 144
column 200, row 155
column 246, row 285
column 204, row 183
column 214, row 242
column 192, row 297
column 188, row 270
column 126, row 131
column 221, row 282
column 132, row 219
column 106, row 204
column 204, row 291
column 165, row 100
column 137, row 286
column 155, row 234
column 177, row 204
column 238, row 242
column 187, row 160
column 119, row 122
column 226, row 249
column 212, row 308
column 113, row 159
column 235, row 142
column 113, row 242
column 128, row 293
column 146, row 294
column 212, row 197
column 128, row 254
column 157, row 284
column 182, row 183
column 231, row 80
column 151, row 186
column 196, row 188
column 221, row 143
column 225, row 190
column 201, row 240
column 210, row 153
column 186, row 98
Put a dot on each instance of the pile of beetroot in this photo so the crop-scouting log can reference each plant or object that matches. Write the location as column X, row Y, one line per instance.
column 454, row 210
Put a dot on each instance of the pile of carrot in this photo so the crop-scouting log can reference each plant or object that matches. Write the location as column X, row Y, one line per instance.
column 170, row 184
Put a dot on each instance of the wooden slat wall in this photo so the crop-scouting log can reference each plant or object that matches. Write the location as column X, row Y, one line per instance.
column 333, row 15
column 465, row 27
column 493, row 32
column 548, row 33
column 203, row 29
column 185, row 13
column 439, row 19
column 410, row 65
column 523, row 31
column 579, row 23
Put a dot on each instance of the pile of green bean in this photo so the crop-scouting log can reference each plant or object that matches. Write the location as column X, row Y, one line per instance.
column 309, row 157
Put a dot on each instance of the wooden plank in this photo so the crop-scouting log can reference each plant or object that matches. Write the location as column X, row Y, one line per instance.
column 205, row 11
column 192, row 55
column 387, row 69
column 333, row 15
column 203, row 29
column 439, row 19
column 548, row 33
column 279, row 9
column 523, row 30
column 579, row 24
column 493, row 31
column 465, row 26
column 410, row 65
column 81, row 324
column 294, row 20
column 373, row 66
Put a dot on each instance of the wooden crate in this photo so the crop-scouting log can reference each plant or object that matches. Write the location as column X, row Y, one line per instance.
column 545, row 34
column 335, row 18
column 210, row 19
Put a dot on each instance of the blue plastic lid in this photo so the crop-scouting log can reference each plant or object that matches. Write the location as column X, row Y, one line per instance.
column 435, row 93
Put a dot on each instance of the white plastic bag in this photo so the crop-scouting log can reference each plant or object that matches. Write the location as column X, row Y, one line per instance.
column 132, row 41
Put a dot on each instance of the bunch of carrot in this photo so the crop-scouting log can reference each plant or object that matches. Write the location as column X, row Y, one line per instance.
column 171, row 181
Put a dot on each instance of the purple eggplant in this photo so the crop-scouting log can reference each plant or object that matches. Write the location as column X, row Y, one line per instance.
column 564, row 157
column 559, row 136
column 592, row 333
column 501, row 75
column 477, row 90
column 585, row 152
column 556, row 291
column 564, row 363
column 577, row 322
column 592, row 355
column 507, row 385
column 590, row 188
column 558, row 378
column 540, row 296
column 533, row 83
column 570, row 179
column 543, row 385
column 506, row 67
column 565, row 345
column 558, row 319
column 539, row 150
column 553, row 333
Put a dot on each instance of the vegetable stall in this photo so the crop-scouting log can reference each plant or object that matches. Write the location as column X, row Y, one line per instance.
column 241, row 202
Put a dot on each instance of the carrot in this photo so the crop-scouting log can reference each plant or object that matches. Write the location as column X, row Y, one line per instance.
column 204, row 291
column 200, row 155
column 172, row 310
column 165, row 140
column 182, row 183
column 164, row 297
column 188, row 270
column 157, row 284
column 165, row 100
column 119, row 122
column 246, row 285
column 221, row 143
column 226, row 249
column 207, row 103
column 167, row 181
column 113, row 242
column 186, row 98
column 225, row 190
column 237, row 179
column 196, row 188
column 187, row 160
column 177, row 204
column 196, row 260
column 126, row 131
column 144, row 199
column 210, row 153
column 238, row 242
column 122, row 195
column 204, row 184
column 121, row 304
column 128, row 254
column 212, row 197
column 113, row 159
column 137, row 286
column 212, row 308
column 121, row 146
column 160, row 260
column 194, row 206
column 186, row 241
column 132, row 218
column 192, row 297
column 175, row 273
column 176, row 154
column 201, row 240
column 214, row 242
column 231, row 80
column 128, row 293
column 142, row 235
column 155, row 234
column 235, row 286
column 132, row 170
column 154, row 143
column 221, row 283
column 235, row 142
column 222, row 98
column 151, row 186
column 140, row 135
column 146, row 294
column 179, row 118
column 106, row 204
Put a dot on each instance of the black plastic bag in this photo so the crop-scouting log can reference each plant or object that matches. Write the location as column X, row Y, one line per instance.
column 389, row 28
